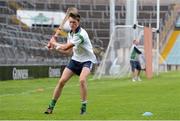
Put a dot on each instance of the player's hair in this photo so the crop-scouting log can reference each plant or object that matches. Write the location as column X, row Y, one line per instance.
column 135, row 40
column 75, row 16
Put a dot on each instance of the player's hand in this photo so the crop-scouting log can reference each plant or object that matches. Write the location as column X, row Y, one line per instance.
column 49, row 46
column 53, row 40
column 51, row 43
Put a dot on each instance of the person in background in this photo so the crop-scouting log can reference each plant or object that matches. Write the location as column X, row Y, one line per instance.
column 134, row 61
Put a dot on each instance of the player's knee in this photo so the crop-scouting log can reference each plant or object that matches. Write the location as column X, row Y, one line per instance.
column 82, row 81
column 62, row 82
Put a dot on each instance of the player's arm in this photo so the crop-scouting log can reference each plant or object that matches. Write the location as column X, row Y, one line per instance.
column 137, row 50
column 78, row 39
column 63, row 48
column 67, row 52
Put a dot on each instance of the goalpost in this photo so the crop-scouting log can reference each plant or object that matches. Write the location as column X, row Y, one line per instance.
column 116, row 60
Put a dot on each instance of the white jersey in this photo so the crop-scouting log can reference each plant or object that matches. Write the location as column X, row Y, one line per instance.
column 82, row 50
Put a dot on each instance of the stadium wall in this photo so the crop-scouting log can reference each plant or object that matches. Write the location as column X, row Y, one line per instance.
column 29, row 72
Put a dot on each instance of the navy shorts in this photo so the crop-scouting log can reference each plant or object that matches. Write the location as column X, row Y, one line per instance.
column 76, row 66
column 135, row 65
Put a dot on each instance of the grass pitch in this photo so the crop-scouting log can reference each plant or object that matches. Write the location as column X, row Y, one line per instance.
column 108, row 99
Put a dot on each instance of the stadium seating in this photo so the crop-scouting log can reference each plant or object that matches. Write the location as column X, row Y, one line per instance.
column 26, row 43
column 174, row 58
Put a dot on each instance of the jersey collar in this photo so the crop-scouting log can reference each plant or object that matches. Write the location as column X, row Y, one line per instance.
column 77, row 30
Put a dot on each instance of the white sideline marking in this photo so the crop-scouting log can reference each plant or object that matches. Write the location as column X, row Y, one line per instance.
column 22, row 93
column 35, row 90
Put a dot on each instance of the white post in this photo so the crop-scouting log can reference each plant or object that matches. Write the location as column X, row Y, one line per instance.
column 135, row 19
column 131, row 12
column 112, row 16
column 157, row 28
column 131, row 17
column 112, row 24
column 135, row 12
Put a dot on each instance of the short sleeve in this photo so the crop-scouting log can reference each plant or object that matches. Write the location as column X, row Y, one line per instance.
column 77, row 39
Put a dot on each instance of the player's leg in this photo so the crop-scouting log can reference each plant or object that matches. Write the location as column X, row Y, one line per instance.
column 134, row 71
column 138, row 75
column 83, row 87
column 139, row 71
column 135, row 74
column 83, row 83
column 66, row 75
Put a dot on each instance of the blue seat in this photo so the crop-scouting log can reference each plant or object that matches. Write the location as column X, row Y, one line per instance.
column 174, row 55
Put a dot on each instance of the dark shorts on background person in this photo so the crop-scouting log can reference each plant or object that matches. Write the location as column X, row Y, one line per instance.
column 135, row 65
column 76, row 66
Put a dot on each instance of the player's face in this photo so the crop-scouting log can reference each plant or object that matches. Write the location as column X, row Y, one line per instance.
column 137, row 42
column 73, row 23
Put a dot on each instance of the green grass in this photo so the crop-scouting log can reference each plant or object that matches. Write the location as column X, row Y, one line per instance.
column 108, row 99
